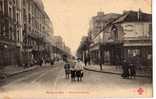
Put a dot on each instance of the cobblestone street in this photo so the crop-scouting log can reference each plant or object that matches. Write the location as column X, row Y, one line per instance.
column 50, row 81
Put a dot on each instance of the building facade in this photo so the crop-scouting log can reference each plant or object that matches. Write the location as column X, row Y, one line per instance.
column 36, row 30
column 60, row 48
column 137, row 39
column 25, row 30
column 10, row 32
column 116, row 37
column 102, row 38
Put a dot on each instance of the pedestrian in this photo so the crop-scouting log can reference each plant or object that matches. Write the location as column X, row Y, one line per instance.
column 100, row 63
column 132, row 71
column 79, row 69
column 73, row 71
column 132, row 67
column 40, row 62
column 67, row 69
column 125, row 68
column 52, row 61
column 85, row 61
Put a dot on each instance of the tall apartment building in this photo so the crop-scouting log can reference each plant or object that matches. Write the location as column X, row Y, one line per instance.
column 36, row 29
column 10, row 32
column 24, row 31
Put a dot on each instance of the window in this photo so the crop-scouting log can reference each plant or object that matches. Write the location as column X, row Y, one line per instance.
column 17, row 3
column 1, row 30
column 17, row 17
column 15, row 35
column 1, row 9
column 29, row 5
column 18, row 35
column 115, row 32
column 29, row 18
column 14, row 14
column 14, row 2
column 10, row 13
column 24, row 15
column 24, row 2
column 133, row 52
column 10, row 33
column 1, row 5
column 29, row 29
column 150, row 29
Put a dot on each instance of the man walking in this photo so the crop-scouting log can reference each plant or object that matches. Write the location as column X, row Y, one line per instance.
column 85, row 61
column 125, row 67
column 132, row 66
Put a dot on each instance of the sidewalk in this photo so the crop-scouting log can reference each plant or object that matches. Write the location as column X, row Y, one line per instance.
column 13, row 70
column 113, row 70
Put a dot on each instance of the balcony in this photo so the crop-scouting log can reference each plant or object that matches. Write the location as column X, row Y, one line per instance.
column 138, row 38
column 35, row 35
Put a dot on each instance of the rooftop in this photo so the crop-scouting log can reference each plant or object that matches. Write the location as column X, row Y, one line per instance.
column 134, row 16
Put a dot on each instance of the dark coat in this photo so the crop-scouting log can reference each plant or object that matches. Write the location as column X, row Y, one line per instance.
column 132, row 70
column 125, row 67
column 67, row 68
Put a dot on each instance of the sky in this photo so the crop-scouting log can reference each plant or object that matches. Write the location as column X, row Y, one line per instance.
column 71, row 17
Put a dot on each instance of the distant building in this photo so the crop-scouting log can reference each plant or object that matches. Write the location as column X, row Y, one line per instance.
column 83, row 51
column 60, row 47
column 101, row 35
column 58, row 41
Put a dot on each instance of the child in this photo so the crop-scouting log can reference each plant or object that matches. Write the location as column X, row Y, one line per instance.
column 67, row 69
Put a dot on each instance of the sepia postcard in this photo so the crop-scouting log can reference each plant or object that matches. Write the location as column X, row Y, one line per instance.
column 68, row 49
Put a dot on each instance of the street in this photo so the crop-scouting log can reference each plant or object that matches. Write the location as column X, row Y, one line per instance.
column 50, row 81
column 42, row 41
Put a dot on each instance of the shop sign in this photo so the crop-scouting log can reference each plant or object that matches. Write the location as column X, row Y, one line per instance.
column 129, row 28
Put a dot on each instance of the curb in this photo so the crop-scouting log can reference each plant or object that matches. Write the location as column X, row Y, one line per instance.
column 13, row 74
column 146, row 76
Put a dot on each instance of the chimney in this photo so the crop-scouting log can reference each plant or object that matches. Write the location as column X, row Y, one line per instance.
column 125, row 11
column 100, row 13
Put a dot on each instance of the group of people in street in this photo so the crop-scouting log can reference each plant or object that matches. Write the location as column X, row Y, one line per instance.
column 129, row 69
column 74, row 69
column 42, row 61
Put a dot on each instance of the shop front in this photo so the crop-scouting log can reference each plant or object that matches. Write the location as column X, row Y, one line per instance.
column 111, row 53
column 144, row 53
column 9, row 54
column 94, row 54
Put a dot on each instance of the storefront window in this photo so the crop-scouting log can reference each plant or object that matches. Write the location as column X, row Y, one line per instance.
column 0, row 30
column 133, row 52
column 1, row 6
column 150, row 30
column 107, row 57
